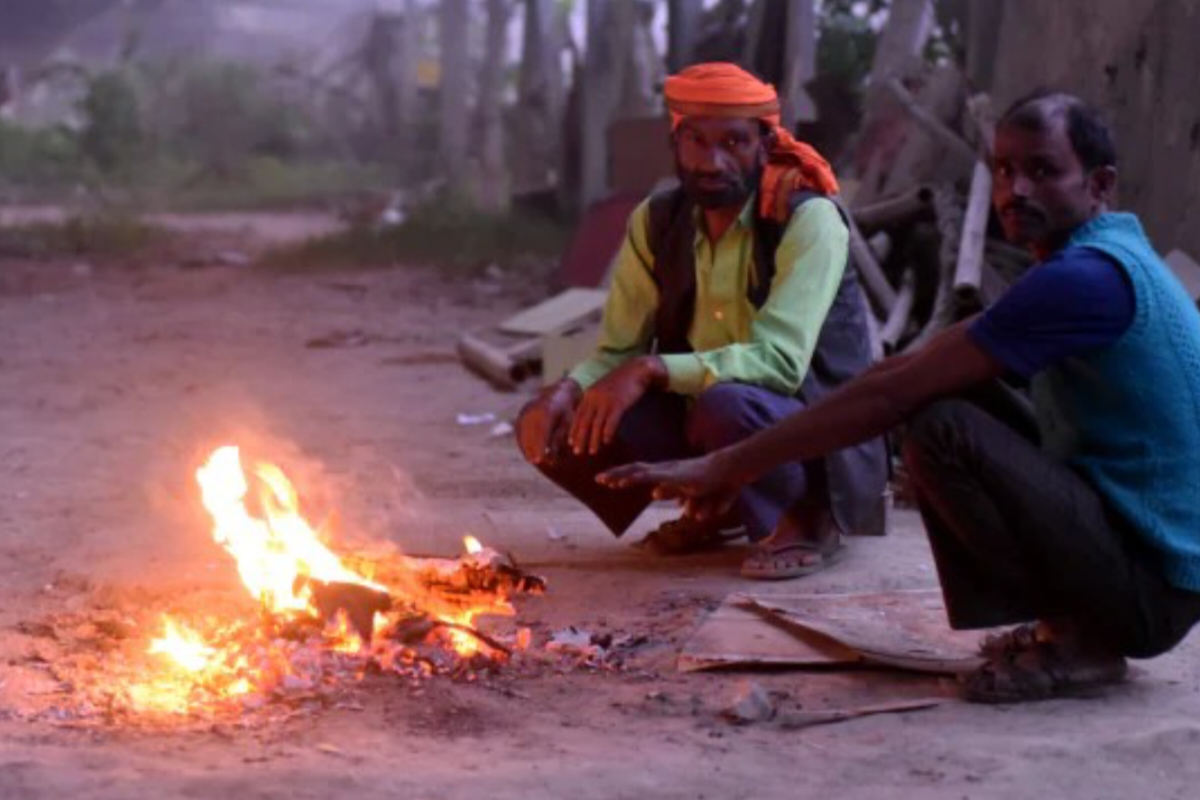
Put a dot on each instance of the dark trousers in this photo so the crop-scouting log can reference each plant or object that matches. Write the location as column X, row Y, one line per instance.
column 663, row 427
column 1018, row 536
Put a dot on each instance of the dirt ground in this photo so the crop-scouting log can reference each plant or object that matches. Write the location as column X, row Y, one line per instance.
column 116, row 380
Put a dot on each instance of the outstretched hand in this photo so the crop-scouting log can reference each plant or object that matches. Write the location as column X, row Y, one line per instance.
column 702, row 484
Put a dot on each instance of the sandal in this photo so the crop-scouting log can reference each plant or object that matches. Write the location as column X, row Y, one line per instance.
column 1040, row 672
column 682, row 537
column 1015, row 640
column 793, row 560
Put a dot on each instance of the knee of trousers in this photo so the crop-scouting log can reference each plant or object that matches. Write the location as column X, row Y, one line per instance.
column 929, row 434
column 722, row 415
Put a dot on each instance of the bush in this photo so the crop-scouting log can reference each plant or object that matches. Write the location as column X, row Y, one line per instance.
column 41, row 157
column 112, row 138
column 106, row 234
column 440, row 233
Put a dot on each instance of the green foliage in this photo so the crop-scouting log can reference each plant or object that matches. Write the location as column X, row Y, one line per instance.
column 221, row 115
column 112, row 135
column 185, row 134
column 99, row 235
column 442, row 234
column 847, row 39
column 39, row 157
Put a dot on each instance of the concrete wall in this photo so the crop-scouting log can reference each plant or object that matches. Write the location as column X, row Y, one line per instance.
column 1139, row 60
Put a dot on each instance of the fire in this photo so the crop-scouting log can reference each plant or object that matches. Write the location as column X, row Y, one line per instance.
column 183, row 646
column 271, row 553
column 320, row 611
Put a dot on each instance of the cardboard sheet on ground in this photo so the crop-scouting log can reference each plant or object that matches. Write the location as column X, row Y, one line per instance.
column 905, row 630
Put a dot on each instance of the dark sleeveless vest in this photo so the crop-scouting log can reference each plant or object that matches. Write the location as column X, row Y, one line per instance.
column 857, row 476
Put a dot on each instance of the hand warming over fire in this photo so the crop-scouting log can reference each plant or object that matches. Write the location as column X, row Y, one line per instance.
column 705, row 485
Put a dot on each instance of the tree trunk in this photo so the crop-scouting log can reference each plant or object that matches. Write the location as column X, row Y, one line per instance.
column 903, row 38
column 454, row 20
column 799, row 63
column 540, row 94
column 389, row 57
column 494, row 188
column 601, row 90
column 641, row 67
column 683, row 30
column 984, row 18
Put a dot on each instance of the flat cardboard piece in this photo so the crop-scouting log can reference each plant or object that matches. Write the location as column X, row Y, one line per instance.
column 905, row 630
column 736, row 636
column 568, row 309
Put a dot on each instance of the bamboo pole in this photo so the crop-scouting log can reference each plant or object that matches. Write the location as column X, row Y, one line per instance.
column 969, row 266
column 897, row 322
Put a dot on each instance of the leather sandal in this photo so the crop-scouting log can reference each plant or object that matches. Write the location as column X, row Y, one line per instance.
column 1040, row 672
column 683, row 536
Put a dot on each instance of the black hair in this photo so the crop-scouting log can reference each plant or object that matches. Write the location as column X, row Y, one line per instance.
column 1088, row 132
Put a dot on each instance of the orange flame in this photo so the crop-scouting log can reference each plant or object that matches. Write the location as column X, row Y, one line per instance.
column 183, row 646
column 233, row 663
column 271, row 553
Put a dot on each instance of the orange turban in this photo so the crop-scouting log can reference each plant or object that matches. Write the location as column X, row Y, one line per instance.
column 726, row 90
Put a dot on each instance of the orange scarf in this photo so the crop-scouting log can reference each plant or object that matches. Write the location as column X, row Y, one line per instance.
column 726, row 90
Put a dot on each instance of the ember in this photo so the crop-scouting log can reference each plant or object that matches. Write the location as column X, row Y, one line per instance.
column 325, row 621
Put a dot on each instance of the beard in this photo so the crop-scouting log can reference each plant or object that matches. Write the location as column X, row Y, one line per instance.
column 719, row 190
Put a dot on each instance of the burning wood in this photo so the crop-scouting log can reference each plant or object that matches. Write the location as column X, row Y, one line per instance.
column 325, row 621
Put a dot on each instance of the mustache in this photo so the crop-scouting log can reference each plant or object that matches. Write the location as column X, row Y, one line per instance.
column 1019, row 207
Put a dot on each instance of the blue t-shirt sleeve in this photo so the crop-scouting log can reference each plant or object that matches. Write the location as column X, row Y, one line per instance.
column 1077, row 302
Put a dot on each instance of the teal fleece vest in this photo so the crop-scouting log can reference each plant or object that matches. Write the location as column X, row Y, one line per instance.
column 1128, row 416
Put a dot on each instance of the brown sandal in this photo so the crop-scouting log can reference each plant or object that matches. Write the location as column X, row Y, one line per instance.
column 1040, row 672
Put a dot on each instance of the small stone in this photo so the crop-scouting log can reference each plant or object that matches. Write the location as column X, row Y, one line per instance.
column 748, row 703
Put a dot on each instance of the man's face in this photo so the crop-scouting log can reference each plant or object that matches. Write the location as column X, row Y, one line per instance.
column 719, row 161
column 1041, row 190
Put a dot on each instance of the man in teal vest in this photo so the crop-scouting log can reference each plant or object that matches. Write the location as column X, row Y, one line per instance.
column 732, row 304
column 1089, row 537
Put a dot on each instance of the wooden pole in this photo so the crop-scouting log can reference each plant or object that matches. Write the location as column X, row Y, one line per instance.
column 930, row 123
column 949, row 222
column 895, row 211
column 883, row 296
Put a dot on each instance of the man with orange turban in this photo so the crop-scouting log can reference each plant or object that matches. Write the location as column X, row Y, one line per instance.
column 732, row 305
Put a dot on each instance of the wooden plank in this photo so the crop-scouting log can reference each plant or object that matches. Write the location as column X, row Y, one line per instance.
column 566, row 310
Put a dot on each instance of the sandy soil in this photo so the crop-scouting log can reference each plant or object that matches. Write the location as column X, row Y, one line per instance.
column 115, row 381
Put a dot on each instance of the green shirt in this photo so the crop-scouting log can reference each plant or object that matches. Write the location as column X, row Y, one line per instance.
column 733, row 341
